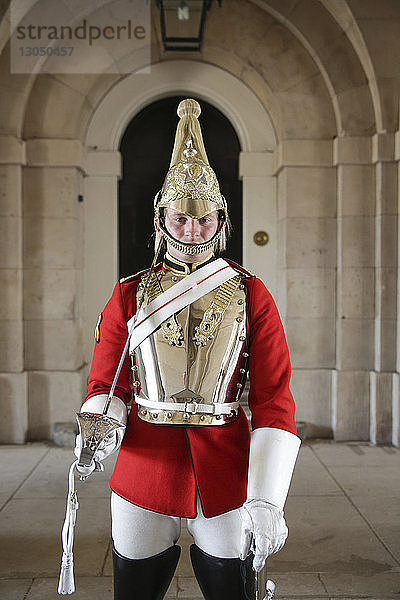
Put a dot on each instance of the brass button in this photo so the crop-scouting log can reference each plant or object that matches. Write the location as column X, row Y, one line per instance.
column 241, row 286
column 261, row 238
column 136, row 383
column 186, row 417
column 202, row 418
column 169, row 415
column 218, row 417
column 134, row 367
column 174, row 278
column 242, row 370
column 242, row 338
column 239, row 385
column 240, row 301
column 245, row 354
column 239, row 319
column 155, row 415
column 143, row 412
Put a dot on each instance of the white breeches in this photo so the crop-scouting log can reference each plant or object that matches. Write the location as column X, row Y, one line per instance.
column 140, row 533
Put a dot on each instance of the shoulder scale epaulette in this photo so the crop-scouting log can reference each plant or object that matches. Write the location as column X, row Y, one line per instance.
column 239, row 268
column 138, row 275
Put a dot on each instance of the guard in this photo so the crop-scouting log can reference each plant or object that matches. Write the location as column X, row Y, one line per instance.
column 194, row 327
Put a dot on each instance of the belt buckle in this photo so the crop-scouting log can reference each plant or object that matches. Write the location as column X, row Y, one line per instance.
column 193, row 407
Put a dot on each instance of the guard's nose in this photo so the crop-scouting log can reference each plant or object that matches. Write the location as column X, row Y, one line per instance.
column 192, row 228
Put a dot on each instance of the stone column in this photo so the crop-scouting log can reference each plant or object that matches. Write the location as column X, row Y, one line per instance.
column 396, row 376
column 382, row 380
column 53, row 249
column 259, row 214
column 355, row 288
column 307, row 251
column 13, row 380
column 103, row 169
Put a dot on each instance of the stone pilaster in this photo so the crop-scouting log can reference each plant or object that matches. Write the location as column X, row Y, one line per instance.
column 355, row 287
column 53, row 254
column 386, row 251
column 307, row 264
column 13, row 427
column 259, row 214
column 101, row 226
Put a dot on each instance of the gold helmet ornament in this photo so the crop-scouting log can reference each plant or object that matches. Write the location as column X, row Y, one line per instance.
column 191, row 186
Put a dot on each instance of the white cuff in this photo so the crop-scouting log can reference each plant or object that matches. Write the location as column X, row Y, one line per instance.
column 117, row 409
column 273, row 454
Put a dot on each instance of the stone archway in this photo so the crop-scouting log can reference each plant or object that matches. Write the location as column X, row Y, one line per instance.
column 146, row 152
column 333, row 101
column 257, row 138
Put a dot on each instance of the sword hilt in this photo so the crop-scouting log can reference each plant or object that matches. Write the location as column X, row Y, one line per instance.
column 94, row 429
column 86, row 457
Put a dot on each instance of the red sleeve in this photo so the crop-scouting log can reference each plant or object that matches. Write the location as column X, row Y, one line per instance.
column 111, row 337
column 270, row 400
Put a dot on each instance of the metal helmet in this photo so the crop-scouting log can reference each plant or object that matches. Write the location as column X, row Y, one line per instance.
column 191, row 186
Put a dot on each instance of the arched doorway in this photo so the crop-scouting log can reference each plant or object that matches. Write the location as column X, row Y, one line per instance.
column 146, row 148
column 109, row 122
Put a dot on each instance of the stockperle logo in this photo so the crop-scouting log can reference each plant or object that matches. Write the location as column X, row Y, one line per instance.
column 80, row 36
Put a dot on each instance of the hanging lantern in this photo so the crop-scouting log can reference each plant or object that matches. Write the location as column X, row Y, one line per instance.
column 182, row 23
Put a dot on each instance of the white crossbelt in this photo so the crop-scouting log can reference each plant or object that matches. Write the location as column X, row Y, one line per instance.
column 177, row 297
column 192, row 408
column 187, row 290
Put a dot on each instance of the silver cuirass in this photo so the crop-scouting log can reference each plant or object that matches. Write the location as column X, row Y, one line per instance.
column 195, row 362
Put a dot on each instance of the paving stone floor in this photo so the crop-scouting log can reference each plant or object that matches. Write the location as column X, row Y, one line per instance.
column 343, row 513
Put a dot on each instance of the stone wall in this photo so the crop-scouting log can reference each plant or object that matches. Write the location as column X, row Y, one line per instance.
column 41, row 358
column 321, row 74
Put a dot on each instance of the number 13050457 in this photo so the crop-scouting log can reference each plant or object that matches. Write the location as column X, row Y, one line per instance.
column 46, row 50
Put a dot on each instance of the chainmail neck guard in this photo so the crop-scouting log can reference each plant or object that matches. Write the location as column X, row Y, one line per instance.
column 190, row 249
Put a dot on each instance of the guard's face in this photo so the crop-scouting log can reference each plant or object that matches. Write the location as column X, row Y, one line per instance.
column 189, row 230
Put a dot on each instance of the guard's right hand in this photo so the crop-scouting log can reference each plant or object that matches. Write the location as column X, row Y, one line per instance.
column 108, row 445
column 83, row 470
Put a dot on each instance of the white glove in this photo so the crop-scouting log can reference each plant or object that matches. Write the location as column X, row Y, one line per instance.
column 107, row 446
column 264, row 528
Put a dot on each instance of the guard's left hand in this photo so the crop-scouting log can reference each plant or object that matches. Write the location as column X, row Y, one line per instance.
column 264, row 528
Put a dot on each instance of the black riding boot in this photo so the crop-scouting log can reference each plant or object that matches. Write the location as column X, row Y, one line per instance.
column 223, row 578
column 144, row 579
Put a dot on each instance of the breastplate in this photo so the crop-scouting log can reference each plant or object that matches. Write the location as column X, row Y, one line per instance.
column 197, row 356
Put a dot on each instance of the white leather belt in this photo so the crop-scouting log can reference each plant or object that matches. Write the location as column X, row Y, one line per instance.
column 190, row 407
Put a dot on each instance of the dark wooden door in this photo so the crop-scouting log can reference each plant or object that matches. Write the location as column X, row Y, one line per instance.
column 146, row 149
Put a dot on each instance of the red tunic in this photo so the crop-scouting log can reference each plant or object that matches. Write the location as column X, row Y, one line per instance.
column 160, row 467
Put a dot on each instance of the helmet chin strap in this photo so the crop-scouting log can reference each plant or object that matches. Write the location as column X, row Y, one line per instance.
column 190, row 249
column 184, row 247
